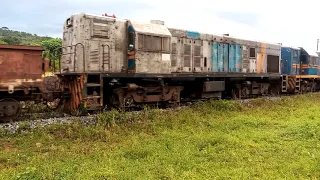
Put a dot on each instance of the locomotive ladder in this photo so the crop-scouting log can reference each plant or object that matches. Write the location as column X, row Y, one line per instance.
column 284, row 83
column 106, row 57
column 94, row 92
column 298, row 85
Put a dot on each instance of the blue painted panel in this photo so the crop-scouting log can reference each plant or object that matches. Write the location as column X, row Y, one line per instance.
column 131, row 63
column 304, row 71
column 305, row 60
column 215, row 57
column 313, row 71
column 193, row 34
column 130, row 29
column 286, row 64
column 238, row 58
column 232, row 58
column 318, row 62
column 298, row 71
column 291, row 58
column 295, row 61
column 220, row 57
column 225, row 58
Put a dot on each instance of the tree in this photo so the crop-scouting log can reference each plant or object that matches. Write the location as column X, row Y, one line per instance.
column 10, row 40
column 24, row 38
column 52, row 50
column 2, row 42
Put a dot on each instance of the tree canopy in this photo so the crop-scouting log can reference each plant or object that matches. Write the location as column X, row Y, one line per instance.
column 2, row 42
column 19, row 37
column 52, row 50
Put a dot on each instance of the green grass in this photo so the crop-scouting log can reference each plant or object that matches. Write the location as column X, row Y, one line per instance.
column 214, row 140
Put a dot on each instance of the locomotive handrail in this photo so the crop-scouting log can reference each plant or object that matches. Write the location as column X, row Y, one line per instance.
column 74, row 55
column 83, row 57
column 103, row 63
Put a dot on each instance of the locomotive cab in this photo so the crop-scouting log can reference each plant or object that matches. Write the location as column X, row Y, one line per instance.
column 148, row 49
column 309, row 62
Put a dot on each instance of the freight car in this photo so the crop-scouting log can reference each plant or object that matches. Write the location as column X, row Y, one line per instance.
column 111, row 62
column 21, row 79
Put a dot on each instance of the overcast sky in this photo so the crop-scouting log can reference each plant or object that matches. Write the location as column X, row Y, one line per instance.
column 293, row 23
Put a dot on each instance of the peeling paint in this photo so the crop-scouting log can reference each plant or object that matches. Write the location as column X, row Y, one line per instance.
column 193, row 35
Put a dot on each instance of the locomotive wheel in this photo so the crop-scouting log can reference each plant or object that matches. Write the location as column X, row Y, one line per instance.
column 10, row 110
column 114, row 101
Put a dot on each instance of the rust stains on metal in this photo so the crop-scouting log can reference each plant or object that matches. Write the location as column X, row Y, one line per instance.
column 20, row 63
column 20, row 66
column 74, row 85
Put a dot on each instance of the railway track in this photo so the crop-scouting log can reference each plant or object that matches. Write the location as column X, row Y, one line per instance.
column 31, row 120
column 38, row 111
column 33, row 117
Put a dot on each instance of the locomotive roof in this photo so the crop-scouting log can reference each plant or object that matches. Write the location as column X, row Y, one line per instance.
column 150, row 28
column 310, row 52
column 163, row 30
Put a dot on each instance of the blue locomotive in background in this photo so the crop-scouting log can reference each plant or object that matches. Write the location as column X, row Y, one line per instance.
column 299, row 69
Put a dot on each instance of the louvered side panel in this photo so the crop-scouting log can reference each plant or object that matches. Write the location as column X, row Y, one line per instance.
column 197, row 56
column 174, row 55
column 245, row 59
column 100, row 29
column 215, row 64
column 232, row 58
column 220, row 57
column 187, row 55
column 94, row 56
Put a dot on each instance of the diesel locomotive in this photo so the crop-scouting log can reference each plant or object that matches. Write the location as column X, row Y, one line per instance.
column 111, row 62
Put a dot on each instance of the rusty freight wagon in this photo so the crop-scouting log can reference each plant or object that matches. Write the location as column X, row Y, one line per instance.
column 21, row 78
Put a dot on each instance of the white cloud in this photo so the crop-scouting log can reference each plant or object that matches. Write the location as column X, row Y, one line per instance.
column 292, row 23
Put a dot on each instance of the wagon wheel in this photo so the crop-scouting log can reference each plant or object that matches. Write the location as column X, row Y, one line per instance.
column 236, row 93
column 114, row 101
column 244, row 92
column 10, row 109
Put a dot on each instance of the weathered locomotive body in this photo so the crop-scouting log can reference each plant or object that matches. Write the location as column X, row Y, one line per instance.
column 115, row 62
column 101, row 44
column 21, row 67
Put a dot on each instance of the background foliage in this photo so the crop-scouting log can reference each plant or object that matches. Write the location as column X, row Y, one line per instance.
column 19, row 37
